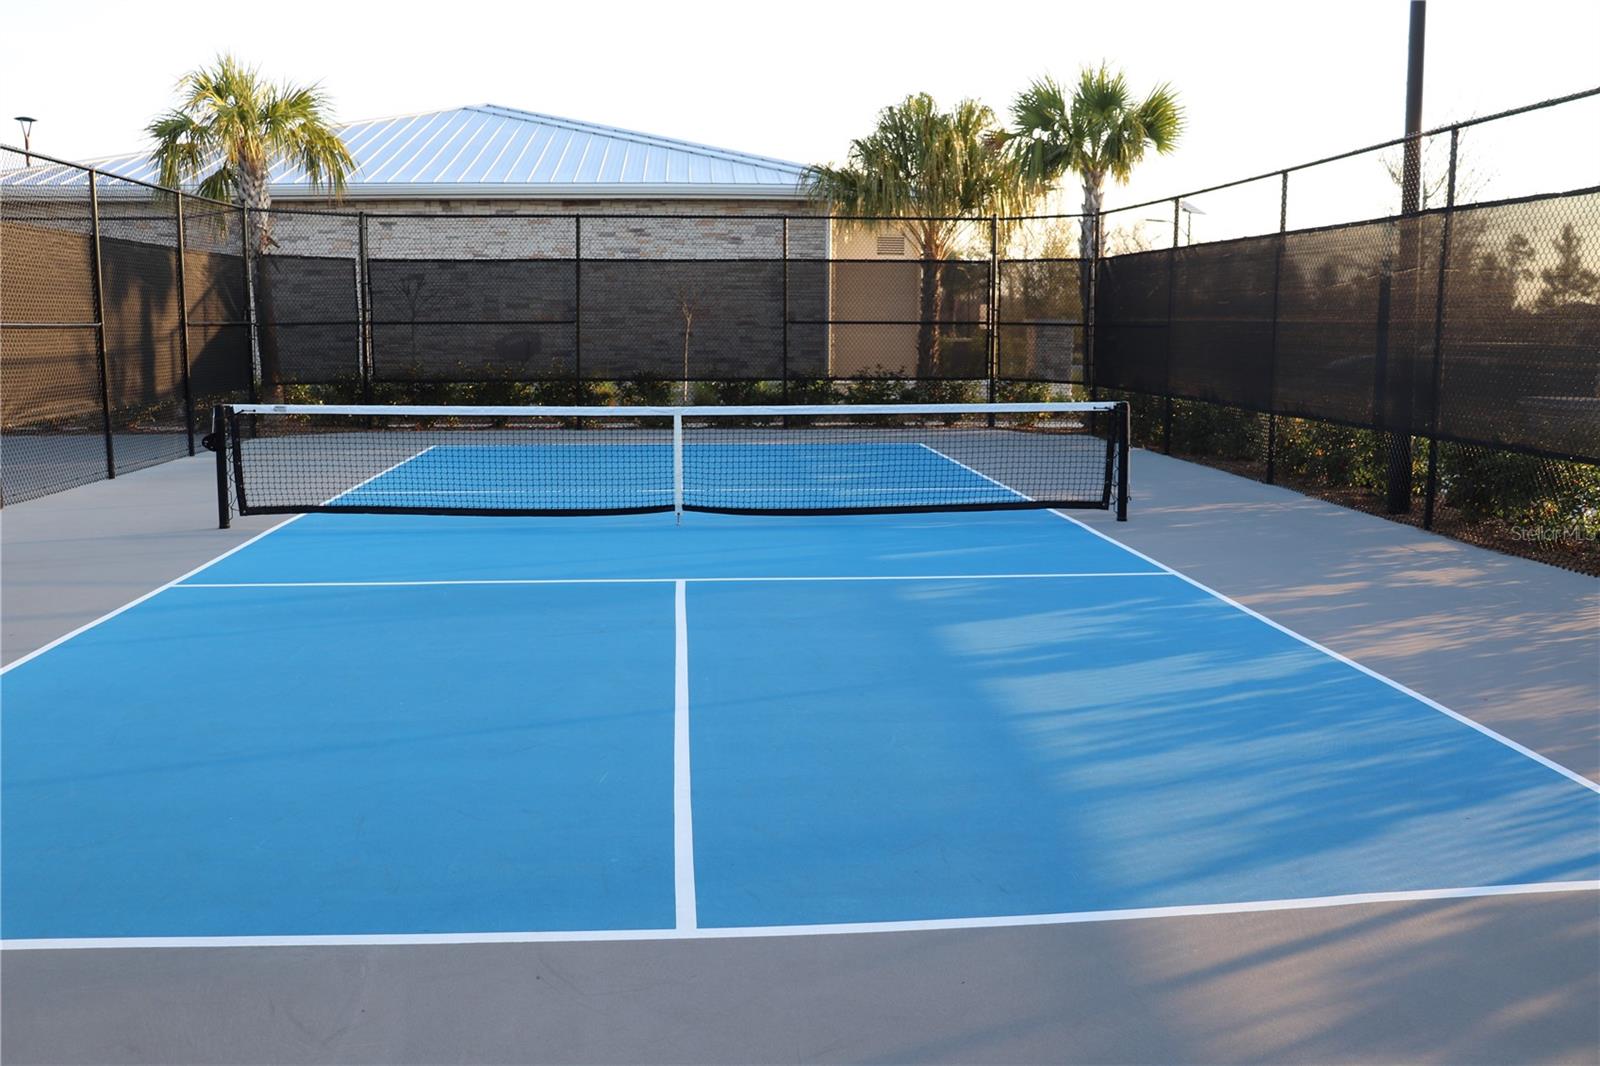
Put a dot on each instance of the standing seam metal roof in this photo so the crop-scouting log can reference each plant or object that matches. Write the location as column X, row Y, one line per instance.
column 489, row 150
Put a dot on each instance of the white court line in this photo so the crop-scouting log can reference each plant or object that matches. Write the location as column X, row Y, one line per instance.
column 35, row 653
column 682, row 812
column 1007, row 921
column 1551, row 764
column 656, row 580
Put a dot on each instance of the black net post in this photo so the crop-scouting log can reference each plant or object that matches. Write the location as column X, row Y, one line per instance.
column 97, row 279
column 218, row 443
column 1272, row 356
column 364, row 308
column 183, row 323
column 1435, row 395
column 1124, row 420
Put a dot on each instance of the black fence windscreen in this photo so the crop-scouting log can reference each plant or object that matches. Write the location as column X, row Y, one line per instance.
column 1358, row 325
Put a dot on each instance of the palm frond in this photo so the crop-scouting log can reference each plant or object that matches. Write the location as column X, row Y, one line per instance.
column 923, row 162
column 1100, row 131
column 233, row 121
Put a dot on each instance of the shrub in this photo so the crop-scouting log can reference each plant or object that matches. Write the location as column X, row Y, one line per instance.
column 645, row 392
column 1211, row 429
column 875, row 390
column 942, row 391
column 1548, row 496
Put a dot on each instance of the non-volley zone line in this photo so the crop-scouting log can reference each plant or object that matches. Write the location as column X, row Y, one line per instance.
column 1007, row 921
column 658, row 580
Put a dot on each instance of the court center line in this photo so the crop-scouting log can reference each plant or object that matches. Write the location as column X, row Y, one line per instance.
column 821, row 929
column 1548, row 763
column 682, row 810
column 656, row 580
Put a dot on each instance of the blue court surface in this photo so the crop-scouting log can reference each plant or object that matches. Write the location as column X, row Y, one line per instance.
column 578, row 475
column 399, row 726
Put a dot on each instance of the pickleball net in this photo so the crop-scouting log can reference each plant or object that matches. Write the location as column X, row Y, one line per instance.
column 837, row 459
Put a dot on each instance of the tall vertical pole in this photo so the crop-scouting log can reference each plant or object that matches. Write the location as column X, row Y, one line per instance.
column 1272, row 351
column 994, row 308
column 577, row 309
column 1399, row 415
column 783, row 315
column 1436, row 393
column 1172, row 292
column 364, row 308
column 183, row 321
column 1091, row 296
column 100, row 322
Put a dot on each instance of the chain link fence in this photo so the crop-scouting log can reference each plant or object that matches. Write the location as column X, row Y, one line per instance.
column 1439, row 358
column 1439, row 363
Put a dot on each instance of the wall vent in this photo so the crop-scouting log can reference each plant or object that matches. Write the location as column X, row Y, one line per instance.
column 891, row 244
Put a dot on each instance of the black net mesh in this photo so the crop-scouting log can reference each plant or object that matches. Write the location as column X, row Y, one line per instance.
column 779, row 460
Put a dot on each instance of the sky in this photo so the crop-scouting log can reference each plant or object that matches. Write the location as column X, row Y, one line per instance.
column 1265, row 84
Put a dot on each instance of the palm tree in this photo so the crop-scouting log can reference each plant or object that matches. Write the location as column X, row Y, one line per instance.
column 228, row 128
column 929, row 167
column 1099, row 132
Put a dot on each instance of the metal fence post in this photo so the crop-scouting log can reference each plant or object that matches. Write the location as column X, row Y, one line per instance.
column 183, row 322
column 1172, row 294
column 1091, row 311
column 100, row 322
column 364, row 308
column 1272, row 352
column 783, row 314
column 577, row 309
column 994, row 309
column 1436, row 394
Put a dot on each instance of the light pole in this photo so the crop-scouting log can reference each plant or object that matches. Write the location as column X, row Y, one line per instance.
column 1189, row 211
column 26, row 122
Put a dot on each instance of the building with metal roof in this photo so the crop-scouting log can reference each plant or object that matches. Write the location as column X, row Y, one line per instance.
column 487, row 152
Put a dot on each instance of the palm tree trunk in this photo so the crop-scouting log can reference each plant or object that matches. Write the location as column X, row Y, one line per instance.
column 258, row 202
column 928, row 339
column 1088, row 253
column 930, row 304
